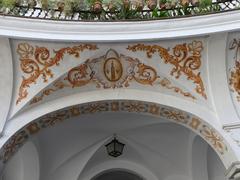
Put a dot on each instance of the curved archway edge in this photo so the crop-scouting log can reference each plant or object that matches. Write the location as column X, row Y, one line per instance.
column 120, row 165
column 96, row 176
column 190, row 121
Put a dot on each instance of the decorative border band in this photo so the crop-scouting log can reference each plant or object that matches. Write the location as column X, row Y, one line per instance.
column 192, row 122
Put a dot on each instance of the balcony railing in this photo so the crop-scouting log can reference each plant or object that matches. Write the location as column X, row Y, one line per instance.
column 123, row 12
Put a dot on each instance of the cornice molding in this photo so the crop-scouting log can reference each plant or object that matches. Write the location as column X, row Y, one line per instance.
column 27, row 28
column 231, row 126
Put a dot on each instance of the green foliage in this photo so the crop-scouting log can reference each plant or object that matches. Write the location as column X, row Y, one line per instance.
column 44, row 4
column 68, row 8
column 163, row 14
column 51, row 4
column 163, row 1
column 8, row 3
column 205, row 3
column 76, row 5
column 159, row 14
column 116, row 3
column 216, row 7
column 91, row 2
column 73, row 6
column 155, row 13
column 120, row 9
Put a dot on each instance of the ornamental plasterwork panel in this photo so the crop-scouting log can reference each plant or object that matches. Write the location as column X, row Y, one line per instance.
column 47, row 121
column 186, row 60
column 38, row 64
column 113, row 71
column 46, row 71
column 233, row 65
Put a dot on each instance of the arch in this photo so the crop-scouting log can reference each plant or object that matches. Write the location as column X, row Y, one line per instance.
column 125, row 165
column 121, row 172
column 212, row 136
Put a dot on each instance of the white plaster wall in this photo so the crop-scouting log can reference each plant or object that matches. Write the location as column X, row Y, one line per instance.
column 14, row 169
column 6, row 80
column 215, row 167
column 199, row 159
column 24, row 165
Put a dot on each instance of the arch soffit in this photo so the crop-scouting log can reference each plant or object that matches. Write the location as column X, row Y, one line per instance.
column 212, row 136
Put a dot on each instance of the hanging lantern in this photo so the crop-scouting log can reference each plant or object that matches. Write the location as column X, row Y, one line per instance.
column 115, row 148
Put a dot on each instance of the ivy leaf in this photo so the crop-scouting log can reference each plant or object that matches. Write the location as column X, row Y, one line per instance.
column 155, row 13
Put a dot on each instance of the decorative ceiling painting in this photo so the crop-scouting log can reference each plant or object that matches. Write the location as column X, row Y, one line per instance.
column 233, row 65
column 46, row 71
column 180, row 117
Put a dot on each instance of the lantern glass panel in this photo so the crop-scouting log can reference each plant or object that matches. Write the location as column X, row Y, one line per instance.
column 119, row 147
column 110, row 147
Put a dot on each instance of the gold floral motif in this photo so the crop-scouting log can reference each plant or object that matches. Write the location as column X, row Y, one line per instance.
column 195, row 123
column 119, row 72
column 134, row 107
column 49, row 120
column 215, row 139
column 56, row 86
column 114, row 106
column 79, row 76
column 96, row 107
column 186, row 59
column 25, row 50
column 234, row 79
column 33, row 128
column 177, row 116
column 75, row 111
column 146, row 75
column 13, row 144
column 36, row 62
column 155, row 110
column 166, row 83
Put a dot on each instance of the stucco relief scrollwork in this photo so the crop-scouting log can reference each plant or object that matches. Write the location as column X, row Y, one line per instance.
column 46, row 92
column 16, row 142
column 186, row 59
column 112, row 71
column 50, row 120
column 36, row 61
column 234, row 79
column 213, row 137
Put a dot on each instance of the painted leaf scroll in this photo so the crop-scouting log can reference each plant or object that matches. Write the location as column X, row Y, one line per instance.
column 185, row 58
column 112, row 70
column 36, row 62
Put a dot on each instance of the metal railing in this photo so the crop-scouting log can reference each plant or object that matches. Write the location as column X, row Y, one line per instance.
column 130, row 14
